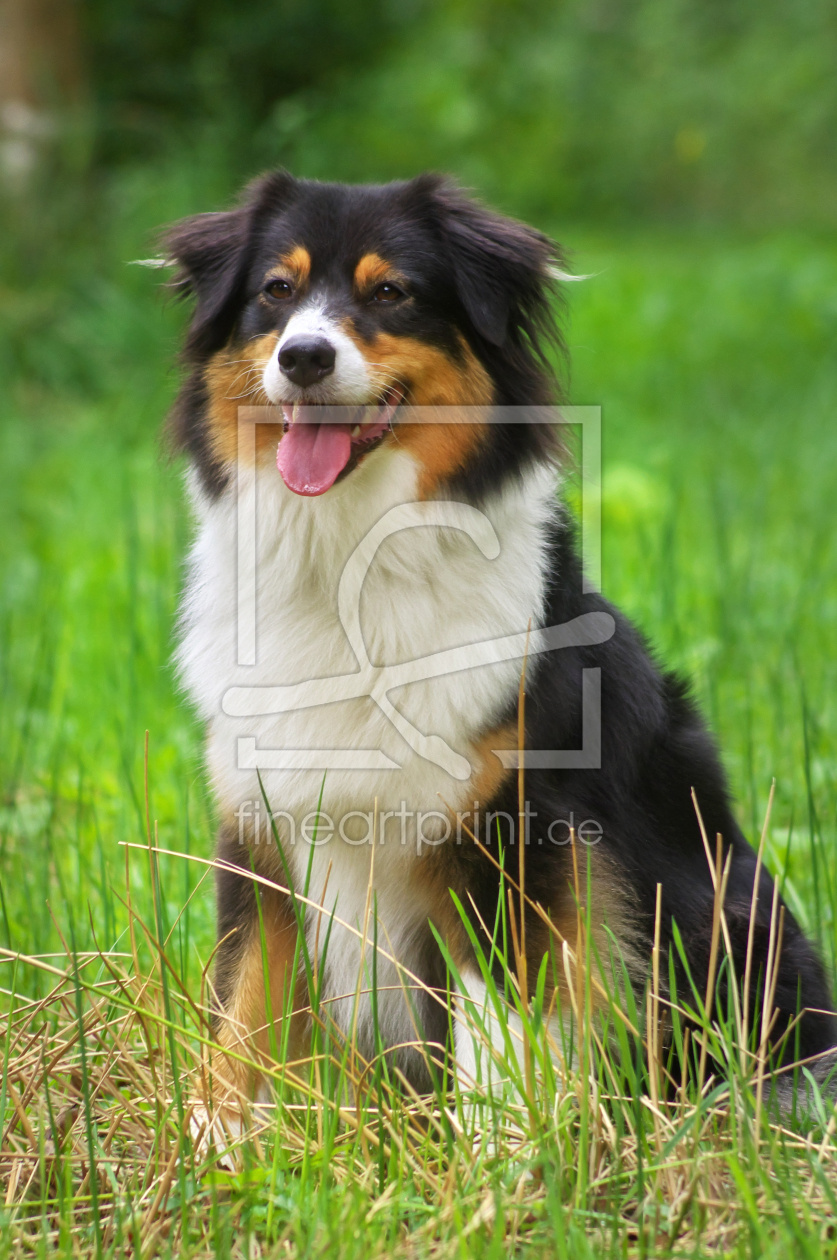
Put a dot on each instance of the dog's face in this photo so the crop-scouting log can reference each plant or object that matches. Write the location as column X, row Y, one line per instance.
column 374, row 300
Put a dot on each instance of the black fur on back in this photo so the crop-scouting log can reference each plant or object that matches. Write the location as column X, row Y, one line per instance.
column 655, row 749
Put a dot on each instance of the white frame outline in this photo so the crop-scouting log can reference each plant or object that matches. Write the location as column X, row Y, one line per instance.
column 249, row 757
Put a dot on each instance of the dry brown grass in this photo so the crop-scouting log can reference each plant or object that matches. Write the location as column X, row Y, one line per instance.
column 110, row 1079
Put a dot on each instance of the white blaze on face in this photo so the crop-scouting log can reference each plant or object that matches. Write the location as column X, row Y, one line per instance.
column 350, row 382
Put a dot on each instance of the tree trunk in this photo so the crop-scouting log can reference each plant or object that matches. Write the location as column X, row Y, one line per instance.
column 41, row 81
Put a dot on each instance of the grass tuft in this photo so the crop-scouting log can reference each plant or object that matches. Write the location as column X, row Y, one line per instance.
column 620, row 1124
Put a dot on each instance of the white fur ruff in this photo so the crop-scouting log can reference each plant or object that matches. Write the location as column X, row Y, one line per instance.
column 427, row 589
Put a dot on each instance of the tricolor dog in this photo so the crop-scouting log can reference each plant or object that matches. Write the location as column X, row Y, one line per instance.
column 402, row 514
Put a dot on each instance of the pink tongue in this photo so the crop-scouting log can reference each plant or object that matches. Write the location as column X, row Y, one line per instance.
column 312, row 456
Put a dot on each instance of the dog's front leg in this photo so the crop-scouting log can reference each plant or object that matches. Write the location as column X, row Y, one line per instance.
column 257, row 1014
column 488, row 1045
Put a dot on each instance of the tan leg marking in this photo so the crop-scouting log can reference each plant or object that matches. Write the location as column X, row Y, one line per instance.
column 252, row 1025
column 457, row 866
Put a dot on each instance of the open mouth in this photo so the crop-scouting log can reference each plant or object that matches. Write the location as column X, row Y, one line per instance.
column 319, row 444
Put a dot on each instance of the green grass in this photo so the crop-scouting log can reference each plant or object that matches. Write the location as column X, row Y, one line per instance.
column 713, row 360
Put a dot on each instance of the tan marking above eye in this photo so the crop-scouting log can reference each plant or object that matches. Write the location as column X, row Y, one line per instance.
column 298, row 263
column 372, row 271
column 293, row 267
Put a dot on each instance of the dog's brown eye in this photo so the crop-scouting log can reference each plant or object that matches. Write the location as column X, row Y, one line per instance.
column 279, row 289
column 386, row 293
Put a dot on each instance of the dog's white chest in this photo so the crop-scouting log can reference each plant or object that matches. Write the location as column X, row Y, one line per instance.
column 426, row 589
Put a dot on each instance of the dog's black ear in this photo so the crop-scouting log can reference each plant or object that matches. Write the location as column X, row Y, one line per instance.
column 212, row 254
column 209, row 251
column 504, row 271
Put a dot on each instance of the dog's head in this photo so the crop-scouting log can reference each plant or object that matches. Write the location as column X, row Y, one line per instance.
column 376, row 299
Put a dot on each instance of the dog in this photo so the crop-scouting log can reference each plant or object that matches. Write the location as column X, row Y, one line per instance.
column 420, row 519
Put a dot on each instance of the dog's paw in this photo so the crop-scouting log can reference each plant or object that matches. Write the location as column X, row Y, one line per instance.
column 217, row 1134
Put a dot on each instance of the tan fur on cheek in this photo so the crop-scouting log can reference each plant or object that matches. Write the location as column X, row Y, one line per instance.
column 442, row 450
column 433, row 379
column 233, row 379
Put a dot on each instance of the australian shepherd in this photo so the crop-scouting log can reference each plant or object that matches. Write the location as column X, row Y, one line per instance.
column 381, row 553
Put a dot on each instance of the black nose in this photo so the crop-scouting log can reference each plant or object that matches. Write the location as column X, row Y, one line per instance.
column 306, row 360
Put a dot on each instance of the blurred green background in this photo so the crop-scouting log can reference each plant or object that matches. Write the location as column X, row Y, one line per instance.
column 684, row 152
